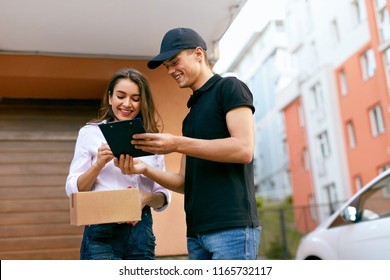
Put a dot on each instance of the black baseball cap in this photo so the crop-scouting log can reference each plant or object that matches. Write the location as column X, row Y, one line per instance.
column 174, row 41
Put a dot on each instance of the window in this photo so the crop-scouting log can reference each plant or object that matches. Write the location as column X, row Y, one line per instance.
column 313, row 54
column 384, row 23
column 284, row 149
column 279, row 26
column 387, row 64
column 360, row 12
column 306, row 159
column 301, row 116
column 317, row 96
column 376, row 120
column 368, row 64
column 307, row 17
column 335, row 33
column 331, row 194
column 323, row 143
column 292, row 25
column 317, row 99
column 380, row 3
column 351, row 134
column 343, row 83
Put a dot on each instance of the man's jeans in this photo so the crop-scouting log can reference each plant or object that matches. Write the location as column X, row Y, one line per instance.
column 229, row 244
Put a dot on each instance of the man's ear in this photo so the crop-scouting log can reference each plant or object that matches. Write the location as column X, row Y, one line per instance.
column 198, row 53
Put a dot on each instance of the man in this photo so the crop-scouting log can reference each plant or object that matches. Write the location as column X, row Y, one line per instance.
column 216, row 173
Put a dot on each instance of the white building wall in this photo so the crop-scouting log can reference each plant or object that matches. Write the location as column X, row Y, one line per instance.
column 261, row 65
column 325, row 119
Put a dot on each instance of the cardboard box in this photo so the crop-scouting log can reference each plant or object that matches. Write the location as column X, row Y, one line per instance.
column 117, row 206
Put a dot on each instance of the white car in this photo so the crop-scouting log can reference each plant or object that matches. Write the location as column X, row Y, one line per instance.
column 358, row 230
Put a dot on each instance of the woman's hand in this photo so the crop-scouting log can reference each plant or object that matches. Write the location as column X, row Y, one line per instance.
column 105, row 155
column 88, row 178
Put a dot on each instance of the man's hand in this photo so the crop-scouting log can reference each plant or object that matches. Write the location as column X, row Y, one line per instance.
column 156, row 143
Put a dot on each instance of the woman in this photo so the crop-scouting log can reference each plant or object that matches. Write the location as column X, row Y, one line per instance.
column 127, row 96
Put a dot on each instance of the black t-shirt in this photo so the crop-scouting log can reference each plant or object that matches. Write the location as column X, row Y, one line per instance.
column 217, row 195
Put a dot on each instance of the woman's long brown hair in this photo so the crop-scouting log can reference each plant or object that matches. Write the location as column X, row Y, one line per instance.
column 149, row 113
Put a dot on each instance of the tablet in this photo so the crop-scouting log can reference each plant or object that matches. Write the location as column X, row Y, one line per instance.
column 119, row 135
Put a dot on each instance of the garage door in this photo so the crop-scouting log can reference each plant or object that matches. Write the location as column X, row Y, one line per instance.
column 37, row 139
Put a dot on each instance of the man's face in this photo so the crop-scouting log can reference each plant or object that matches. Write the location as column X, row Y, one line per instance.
column 183, row 68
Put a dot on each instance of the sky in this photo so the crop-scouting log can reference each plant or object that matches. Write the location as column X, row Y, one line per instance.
column 252, row 17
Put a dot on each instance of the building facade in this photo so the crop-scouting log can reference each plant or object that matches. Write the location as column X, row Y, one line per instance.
column 45, row 99
column 341, row 93
column 327, row 110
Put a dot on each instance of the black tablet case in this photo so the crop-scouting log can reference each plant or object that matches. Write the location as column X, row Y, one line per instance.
column 119, row 135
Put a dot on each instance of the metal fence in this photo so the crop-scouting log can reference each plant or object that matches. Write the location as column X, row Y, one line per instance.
column 283, row 226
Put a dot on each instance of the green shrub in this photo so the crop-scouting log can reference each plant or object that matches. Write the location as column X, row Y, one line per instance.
column 275, row 250
column 259, row 202
column 271, row 244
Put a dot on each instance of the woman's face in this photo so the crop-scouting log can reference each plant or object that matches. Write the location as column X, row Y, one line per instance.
column 125, row 100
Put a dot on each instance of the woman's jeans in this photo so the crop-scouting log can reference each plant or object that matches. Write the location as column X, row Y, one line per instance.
column 120, row 241
column 228, row 244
